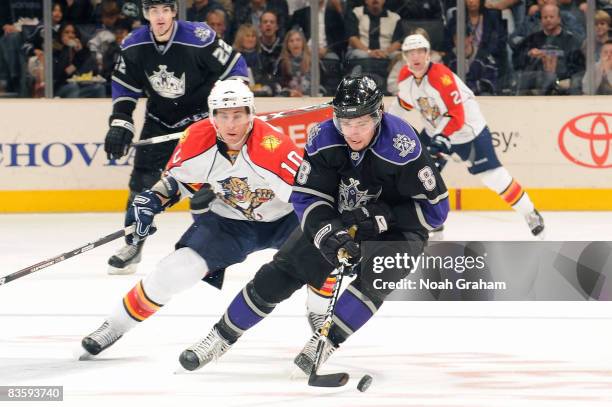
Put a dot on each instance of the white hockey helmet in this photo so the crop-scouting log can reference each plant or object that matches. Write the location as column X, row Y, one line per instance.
column 415, row 41
column 228, row 94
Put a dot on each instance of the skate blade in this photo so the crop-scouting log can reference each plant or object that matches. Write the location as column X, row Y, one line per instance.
column 83, row 355
column 127, row 270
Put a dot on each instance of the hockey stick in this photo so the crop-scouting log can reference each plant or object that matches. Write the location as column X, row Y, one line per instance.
column 265, row 118
column 65, row 256
column 332, row 379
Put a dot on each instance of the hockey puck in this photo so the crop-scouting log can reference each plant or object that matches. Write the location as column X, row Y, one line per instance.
column 364, row 383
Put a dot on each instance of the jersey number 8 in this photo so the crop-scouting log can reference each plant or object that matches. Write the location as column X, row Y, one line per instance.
column 428, row 178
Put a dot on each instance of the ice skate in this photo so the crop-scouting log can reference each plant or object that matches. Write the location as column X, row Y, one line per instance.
column 536, row 224
column 306, row 358
column 315, row 321
column 126, row 260
column 99, row 340
column 210, row 348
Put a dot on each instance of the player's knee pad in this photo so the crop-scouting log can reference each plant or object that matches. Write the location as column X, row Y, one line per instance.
column 354, row 308
column 273, row 284
column 174, row 273
column 496, row 179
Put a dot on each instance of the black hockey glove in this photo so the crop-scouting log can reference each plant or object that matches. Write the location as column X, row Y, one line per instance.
column 141, row 213
column 119, row 136
column 439, row 144
column 334, row 240
column 371, row 220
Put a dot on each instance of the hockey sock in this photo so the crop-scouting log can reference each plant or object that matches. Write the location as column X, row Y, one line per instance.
column 246, row 310
column 500, row 181
column 352, row 311
column 318, row 299
column 138, row 305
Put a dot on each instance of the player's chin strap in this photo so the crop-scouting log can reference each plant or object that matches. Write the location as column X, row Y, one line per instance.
column 333, row 379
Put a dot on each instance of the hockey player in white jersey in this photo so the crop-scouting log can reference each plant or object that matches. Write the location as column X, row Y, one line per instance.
column 454, row 124
column 243, row 161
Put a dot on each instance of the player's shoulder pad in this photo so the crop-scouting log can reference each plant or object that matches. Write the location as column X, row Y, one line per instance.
column 440, row 74
column 267, row 146
column 323, row 136
column 397, row 141
column 404, row 74
column 139, row 36
column 197, row 139
column 194, row 34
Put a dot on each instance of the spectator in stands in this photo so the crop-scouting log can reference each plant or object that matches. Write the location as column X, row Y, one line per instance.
column 549, row 59
column 18, row 20
column 104, row 37
column 416, row 9
column 251, row 11
column 373, row 31
column 294, row 65
column 331, row 28
column 72, row 61
column 487, row 28
column 603, row 21
column 603, row 72
column 33, row 49
column 513, row 11
column 532, row 23
column 121, row 30
column 216, row 20
column 261, row 82
column 572, row 7
column 78, row 11
column 200, row 9
column 482, row 74
column 270, row 42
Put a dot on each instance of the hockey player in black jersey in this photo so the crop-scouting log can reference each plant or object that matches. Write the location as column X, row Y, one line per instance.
column 174, row 64
column 364, row 168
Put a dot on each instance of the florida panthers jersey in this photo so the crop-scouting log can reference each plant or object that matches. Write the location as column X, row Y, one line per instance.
column 256, row 186
column 392, row 169
column 446, row 104
column 176, row 76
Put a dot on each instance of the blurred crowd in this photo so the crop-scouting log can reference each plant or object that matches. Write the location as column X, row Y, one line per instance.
column 512, row 47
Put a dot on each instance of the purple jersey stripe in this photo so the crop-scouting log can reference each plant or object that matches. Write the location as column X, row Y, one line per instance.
column 241, row 315
column 352, row 311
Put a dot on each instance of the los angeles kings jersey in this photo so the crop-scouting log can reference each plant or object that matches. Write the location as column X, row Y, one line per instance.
column 393, row 169
column 255, row 187
column 177, row 76
column 446, row 104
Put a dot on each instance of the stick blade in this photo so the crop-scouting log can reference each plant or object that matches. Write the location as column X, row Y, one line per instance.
column 328, row 380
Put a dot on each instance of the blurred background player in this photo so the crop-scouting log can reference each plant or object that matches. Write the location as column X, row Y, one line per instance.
column 364, row 168
column 454, row 124
column 174, row 64
column 249, row 166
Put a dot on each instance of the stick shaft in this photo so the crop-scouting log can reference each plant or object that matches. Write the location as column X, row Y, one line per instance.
column 65, row 256
column 267, row 117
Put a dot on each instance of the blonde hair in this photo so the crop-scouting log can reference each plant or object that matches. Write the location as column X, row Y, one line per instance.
column 285, row 55
column 601, row 15
column 243, row 31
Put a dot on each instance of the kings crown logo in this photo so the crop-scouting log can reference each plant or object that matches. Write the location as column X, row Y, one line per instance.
column 351, row 196
column 166, row 84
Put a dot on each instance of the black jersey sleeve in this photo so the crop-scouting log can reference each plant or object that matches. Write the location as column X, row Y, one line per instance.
column 424, row 202
column 314, row 192
column 223, row 60
column 125, row 86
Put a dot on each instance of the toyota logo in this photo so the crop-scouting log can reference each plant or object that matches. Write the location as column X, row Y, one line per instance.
column 585, row 140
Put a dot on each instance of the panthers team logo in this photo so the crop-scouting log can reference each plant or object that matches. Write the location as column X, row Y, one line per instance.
column 403, row 144
column 270, row 143
column 202, row 33
column 350, row 196
column 237, row 194
column 166, row 84
column 429, row 112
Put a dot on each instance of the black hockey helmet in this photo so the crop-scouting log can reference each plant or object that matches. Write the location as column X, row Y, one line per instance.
column 147, row 4
column 357, row 95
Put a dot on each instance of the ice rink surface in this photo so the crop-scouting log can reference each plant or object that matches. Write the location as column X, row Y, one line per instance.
column 476, row 354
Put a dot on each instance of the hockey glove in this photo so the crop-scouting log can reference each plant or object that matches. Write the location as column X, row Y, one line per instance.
column 439, row 144
column 119, row 136
column 371, row 220
column 333, row 240
column 141, row 213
